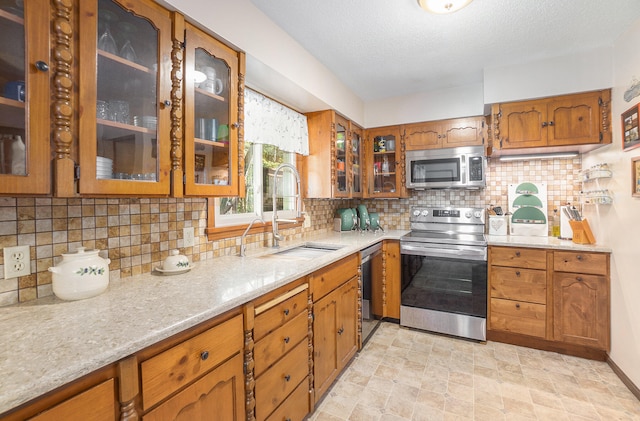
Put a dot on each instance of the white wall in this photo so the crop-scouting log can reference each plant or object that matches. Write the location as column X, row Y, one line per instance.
column 619, row 224
column 276, row 64
column 461, row 101
column 585, row 71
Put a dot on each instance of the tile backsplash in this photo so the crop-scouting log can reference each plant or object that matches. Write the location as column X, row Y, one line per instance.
column 137, row 234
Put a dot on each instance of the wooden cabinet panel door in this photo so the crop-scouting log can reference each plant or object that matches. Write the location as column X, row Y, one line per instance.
column 574, row 120
column 219, row 395
column 581, row 309
column 325, row 361
column 423, row 136
column 393, row 281
column 347, row 340
column 463, row 132
column 97, row 403
column 523, row 124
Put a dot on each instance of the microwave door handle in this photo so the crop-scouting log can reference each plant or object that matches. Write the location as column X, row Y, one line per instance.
column 463, row 169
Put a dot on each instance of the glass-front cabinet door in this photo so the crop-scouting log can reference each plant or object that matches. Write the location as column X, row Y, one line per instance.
column 342, row 159
column 384, row 176
column 24, row 97
column 357, row 159
column 124, row 124
column 211, row 116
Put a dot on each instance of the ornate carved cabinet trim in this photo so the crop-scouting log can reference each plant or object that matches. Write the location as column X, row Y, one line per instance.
column 249, row 364
column 312, row 398
column 129, row 389
column 177, row 62
column 63, row 97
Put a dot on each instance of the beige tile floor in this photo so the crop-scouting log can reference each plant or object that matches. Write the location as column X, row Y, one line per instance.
column 403, row 374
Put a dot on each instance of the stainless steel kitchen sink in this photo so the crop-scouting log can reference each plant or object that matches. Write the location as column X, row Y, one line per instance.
column 305, row 251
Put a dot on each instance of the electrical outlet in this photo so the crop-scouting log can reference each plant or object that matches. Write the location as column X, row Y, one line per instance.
column 307, row 221
column 188, row 237
column 17, row 261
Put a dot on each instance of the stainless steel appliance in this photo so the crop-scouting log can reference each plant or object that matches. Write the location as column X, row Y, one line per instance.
column 444, row 272
column 462, row 168
column 369, row 322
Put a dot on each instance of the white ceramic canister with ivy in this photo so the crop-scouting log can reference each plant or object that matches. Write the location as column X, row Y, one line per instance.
column 80, row 274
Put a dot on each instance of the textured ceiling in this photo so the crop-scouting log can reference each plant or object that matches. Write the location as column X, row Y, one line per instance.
column 386, row 48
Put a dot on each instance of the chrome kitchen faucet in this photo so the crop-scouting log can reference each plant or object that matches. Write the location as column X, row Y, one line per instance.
column 276, row 235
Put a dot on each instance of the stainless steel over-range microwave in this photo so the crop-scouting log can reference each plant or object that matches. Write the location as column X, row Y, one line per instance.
column 451, row 168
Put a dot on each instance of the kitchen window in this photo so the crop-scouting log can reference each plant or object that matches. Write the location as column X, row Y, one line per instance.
column 274, row 134
column 261, row 160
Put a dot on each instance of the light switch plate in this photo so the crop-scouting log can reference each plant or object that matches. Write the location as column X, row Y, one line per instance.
column 17, row 261
column 188, row 237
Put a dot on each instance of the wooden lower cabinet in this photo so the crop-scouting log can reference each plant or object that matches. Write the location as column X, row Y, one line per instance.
column 335, row 334
column 218, row 395
column 97, row 403
column 581, row 309
column 550, row 299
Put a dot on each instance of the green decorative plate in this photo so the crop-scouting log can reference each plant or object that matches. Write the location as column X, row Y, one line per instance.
column 527, row 201
column 527, row 188
column 528, row 215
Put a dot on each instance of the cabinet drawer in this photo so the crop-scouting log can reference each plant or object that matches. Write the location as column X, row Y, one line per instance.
column 518, row 317
column 326, row 280
column 273, row 387
column 569, row 261
column 273, row 346
column 97, row 403
column 528, row 285
column 172, row 369
column 518, row 257
column 274, row 314
column 296, row 406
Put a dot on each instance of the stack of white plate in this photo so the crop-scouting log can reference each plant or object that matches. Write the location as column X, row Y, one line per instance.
column 148, row 121
column 104, row 167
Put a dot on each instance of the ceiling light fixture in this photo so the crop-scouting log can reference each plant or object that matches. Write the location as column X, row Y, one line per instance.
column 538, row 156
column 442, row 7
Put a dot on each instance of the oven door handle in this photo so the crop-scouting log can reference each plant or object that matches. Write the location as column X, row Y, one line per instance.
column 459, row 253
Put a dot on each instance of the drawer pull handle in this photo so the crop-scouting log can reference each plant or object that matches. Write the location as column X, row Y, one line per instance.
column 517, row 305
column 517, row 254
column 286, row 340
column 579, row 257
column 287, row 377
column 579, row 278
column 517, row 273
column 286, row 311
column 204, row 355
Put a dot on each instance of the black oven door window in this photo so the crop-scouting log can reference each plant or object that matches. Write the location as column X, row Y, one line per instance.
column 445, row 284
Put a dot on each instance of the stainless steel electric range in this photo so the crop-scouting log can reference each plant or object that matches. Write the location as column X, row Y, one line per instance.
column 444, row 272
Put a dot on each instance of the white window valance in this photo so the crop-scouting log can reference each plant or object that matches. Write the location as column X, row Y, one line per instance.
column 269, row 122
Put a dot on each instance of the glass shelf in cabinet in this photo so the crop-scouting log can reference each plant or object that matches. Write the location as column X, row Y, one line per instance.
column 13, row 17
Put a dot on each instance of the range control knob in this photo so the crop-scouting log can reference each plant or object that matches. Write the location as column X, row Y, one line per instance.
column 477, row 214
column 416, row 212
column 467, row 214
column 425, row 213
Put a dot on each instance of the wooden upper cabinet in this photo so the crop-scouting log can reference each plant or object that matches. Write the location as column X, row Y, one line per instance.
column 24, row 104
column 581, row 120
column 125, row 97
column 384, row 162
column 445, row 133
column 211, row 117
column 333, row 168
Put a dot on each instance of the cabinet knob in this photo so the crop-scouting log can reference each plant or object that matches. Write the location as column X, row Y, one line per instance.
column 286, row 311
column 286, row 340
column 579, row 257
column 517, row 273
column 287, row 377
column 579, row 278
column 517, row 305
column 517, row 254
column 544, row 124
column 42, row 66
column 166, row 103
column 204, row 355
column 340, row 331
column 551, row 123
column 235, row 125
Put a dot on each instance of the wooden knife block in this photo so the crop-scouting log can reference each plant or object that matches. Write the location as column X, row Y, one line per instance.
column 582, row 233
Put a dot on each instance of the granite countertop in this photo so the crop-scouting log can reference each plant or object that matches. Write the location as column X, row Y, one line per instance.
column 49, row 342
column 544, row 242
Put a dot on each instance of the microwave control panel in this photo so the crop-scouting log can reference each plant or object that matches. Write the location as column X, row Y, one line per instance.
column 475, row 168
